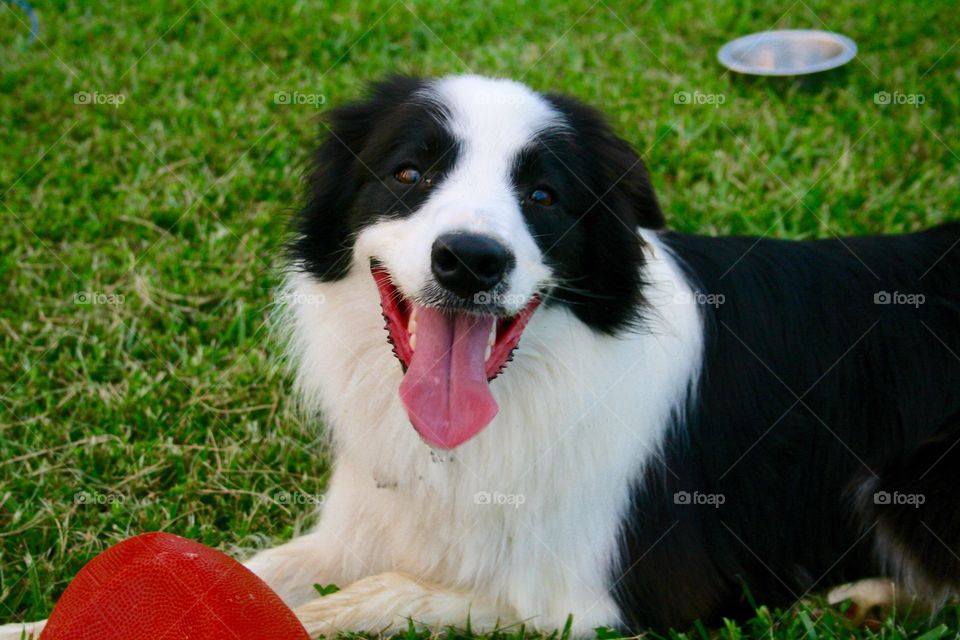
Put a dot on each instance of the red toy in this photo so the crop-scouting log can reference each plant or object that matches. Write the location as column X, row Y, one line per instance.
column 159, row 586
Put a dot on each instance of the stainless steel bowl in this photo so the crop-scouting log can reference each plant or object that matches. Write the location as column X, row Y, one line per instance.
column 787, row 52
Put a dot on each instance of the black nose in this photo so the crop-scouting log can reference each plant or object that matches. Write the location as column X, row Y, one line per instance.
column 467, row 263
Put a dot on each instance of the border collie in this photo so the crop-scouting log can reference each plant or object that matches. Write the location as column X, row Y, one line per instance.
column 542, row 403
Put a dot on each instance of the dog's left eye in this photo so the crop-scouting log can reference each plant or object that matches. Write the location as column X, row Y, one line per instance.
column 541, row 196
column 408, row 175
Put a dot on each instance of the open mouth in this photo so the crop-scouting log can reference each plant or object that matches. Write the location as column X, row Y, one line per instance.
column 449, row 358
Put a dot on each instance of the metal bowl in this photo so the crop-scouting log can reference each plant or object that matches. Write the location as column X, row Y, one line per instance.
column 787, row 52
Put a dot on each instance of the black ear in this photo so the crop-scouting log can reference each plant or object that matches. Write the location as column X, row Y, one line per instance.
column 324, row 229
column 621, row 199
column 620, row 173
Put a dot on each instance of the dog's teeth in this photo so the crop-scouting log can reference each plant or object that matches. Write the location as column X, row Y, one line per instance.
column 491, row 340
column 412, row 329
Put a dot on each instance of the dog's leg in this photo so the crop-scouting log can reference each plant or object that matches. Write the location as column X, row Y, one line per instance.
column 385, row 603
column 293, row 568
column 912, row 507
column 22, row 630
column 873, row 599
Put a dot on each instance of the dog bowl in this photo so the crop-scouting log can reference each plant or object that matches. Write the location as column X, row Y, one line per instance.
column 787, row 52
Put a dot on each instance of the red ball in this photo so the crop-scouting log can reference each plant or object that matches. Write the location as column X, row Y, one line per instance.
column 159, row 586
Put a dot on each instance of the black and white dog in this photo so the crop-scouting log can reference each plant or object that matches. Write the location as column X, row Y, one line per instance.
column 573, row 411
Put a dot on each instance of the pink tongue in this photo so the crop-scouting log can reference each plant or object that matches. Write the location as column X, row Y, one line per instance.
column 445, row 389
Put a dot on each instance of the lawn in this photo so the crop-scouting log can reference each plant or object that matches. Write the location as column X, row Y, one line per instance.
column 152, row 153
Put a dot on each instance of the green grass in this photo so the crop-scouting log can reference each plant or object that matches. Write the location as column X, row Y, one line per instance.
column 164, row 405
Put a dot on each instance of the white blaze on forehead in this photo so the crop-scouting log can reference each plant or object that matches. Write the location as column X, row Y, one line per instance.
column 492, row 120
column 493, row 117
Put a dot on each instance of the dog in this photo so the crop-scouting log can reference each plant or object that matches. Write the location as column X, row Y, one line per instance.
column 544, row 406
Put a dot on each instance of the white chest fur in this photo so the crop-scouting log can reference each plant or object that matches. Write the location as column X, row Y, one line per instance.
column 529, row 511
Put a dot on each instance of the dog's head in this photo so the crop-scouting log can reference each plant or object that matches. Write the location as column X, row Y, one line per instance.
column 471, row 202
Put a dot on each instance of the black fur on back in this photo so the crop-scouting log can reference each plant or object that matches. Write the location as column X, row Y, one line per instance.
column 815, row 394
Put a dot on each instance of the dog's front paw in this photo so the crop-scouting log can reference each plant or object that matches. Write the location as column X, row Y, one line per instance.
column 22, row 630
column 388, row 602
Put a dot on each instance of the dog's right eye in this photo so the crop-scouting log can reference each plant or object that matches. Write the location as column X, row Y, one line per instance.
column 408, row 175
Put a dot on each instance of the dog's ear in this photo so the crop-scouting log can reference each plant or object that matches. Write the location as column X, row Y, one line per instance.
column 323, row 229
column 621, row 199
column 619, row 174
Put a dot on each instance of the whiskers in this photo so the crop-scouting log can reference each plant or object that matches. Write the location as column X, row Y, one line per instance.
column 554, row 289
